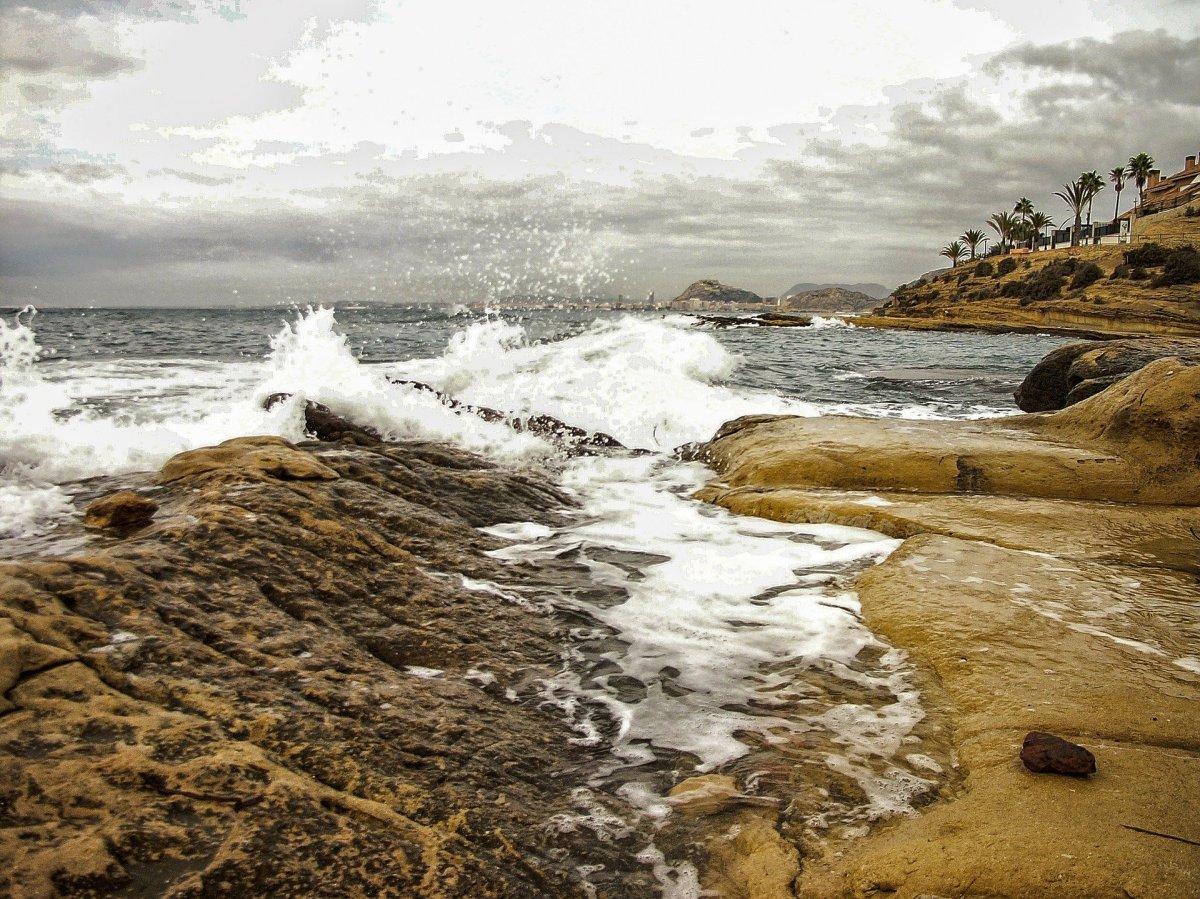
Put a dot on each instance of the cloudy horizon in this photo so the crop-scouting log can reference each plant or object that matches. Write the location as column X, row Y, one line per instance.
column 170, row 152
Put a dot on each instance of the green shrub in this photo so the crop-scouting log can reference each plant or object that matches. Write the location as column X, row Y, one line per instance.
column 963, row 277
column 1137, row 273
column 1121, row 271
column 984, row 269
column 1182, row 267
column 1043, row 285
column 1007, row 265
column 1191, row 212
column 1086, row 275
column 1062, row 268
column 1150, row 255
column 1012, row 289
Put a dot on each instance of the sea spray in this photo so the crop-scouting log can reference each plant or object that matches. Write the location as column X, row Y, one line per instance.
column 651, row 384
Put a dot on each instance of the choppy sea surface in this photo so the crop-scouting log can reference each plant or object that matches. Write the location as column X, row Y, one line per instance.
column 738, row 641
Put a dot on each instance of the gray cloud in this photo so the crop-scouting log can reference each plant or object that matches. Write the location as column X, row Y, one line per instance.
column 36, row 43
column 202, row 180
column 810, row 208
column 87, row 172
column 1151, row 66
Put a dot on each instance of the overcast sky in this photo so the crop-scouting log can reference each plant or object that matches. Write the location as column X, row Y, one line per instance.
column 173, row 152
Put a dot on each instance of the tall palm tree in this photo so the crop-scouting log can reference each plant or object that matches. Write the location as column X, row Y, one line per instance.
column 1117, row 177
column 1074, row 195
column 1005, row 225
column 972, row 239
column 1038, row 221
column 954, row 251
column 1024, row 209
column 1139, row 170
column 1093, row 184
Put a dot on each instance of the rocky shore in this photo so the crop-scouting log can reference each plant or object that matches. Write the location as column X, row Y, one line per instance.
column 1047, row 582
column 271, row 670
column 287, row 669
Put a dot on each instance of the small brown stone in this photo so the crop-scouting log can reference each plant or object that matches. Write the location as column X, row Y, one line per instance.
column 1044, row 753
column 124, row 510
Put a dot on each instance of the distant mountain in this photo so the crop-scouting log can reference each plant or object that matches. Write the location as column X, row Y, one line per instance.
column 829, row 299
column 875, row 291
column 712, row 292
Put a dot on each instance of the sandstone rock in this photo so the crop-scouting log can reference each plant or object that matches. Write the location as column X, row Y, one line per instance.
column 1044, row 753
column 1076, row 371
column 1018, row 570
column 271, row 457
column 1135, row 442
column 121, row 511
column 222, row 704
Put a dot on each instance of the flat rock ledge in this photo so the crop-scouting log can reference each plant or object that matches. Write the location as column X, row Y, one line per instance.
column 281, row 684
column 1047, row 582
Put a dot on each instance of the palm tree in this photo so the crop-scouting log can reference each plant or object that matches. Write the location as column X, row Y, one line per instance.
column 1024, row 209
column 954, row 251
column 1094, row 184
column 1074, row 195
column 1038, row 221
column 972, row 239
column 1005, row 225
column 1139, row 170
column 1117, row 177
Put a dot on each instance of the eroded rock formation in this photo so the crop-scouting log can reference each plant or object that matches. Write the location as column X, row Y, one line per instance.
column 1035, row 603
column 1078, row 370
column 284, row 686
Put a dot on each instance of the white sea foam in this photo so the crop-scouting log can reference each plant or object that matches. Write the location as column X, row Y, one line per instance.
column 652, row 384
column 716, row 627
column 821, row 322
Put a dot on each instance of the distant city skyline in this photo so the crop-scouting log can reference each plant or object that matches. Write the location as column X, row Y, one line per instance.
column 245, row 153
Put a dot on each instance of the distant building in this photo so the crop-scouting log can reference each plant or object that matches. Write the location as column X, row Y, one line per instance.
column 1175, row 190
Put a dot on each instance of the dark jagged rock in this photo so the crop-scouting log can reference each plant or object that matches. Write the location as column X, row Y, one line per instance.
column 1044, row 753
column 325, row 424
column 286, row 688
column 120, row 511
column 762, row 319
column 575, row 440
column 1078, row 370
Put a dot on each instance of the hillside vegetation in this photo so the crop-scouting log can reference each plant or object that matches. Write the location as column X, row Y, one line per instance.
column 1150, row 286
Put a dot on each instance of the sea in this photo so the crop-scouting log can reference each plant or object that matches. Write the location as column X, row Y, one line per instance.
column 740, row 634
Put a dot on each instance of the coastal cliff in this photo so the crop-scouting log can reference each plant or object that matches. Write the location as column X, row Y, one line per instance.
column 1047, row 582
column 1094, row 291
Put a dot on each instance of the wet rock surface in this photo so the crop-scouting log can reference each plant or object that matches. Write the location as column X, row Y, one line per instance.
column 1076, row 371
column 575, row 441
column 283, row 686
column 123, row 510
column 1025, row 620
column 761, row 319
column 325, row 424
column 1044, row 753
